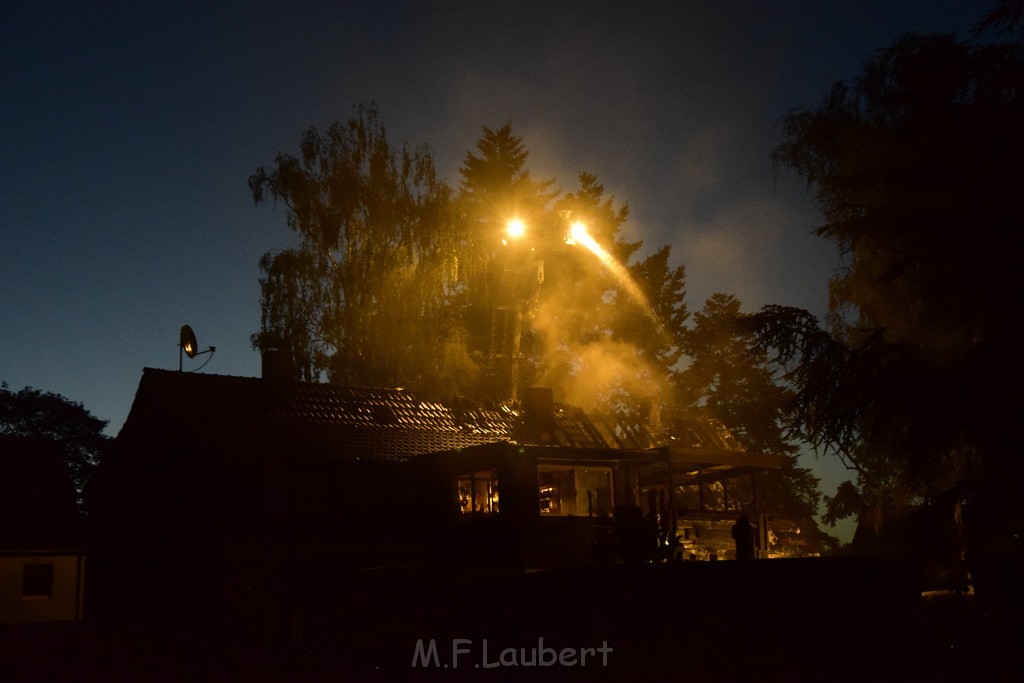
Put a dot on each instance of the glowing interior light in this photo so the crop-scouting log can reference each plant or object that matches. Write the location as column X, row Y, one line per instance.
column 516, row 228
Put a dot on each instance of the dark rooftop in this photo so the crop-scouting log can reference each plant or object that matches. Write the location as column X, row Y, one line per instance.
column 252, row 415
column 325, row 420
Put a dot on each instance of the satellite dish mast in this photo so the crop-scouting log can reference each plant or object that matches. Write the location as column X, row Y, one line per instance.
column 188, row 346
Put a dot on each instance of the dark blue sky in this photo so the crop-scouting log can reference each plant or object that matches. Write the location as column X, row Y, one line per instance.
column 130, row 130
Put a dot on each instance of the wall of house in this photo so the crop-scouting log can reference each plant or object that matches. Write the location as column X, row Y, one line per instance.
column 520, row 499
column 627, row 492
column 64, row 603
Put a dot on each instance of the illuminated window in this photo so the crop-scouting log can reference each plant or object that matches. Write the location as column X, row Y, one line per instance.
column 37, row 581
column 575, row 490
column 478, row 493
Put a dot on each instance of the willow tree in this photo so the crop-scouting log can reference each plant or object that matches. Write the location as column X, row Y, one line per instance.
column 365, row 297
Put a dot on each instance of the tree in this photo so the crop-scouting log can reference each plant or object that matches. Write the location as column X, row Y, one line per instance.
column 871, row 404
column 377, row 262
column 79, row 435
column 543, row 312
column 916, row 166
column 497, row 186
column 499, row 280
column 1004, row 19
column 920, row 147
column 731, row 380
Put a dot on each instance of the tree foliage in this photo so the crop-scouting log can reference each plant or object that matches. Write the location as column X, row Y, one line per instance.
column 731, row 380
column 497, row 186
column 499, row 278
column 575, row 328
column 399, row 281
column 1005, row 18
column 916, row 166
column 377, row 258
column 79, row 435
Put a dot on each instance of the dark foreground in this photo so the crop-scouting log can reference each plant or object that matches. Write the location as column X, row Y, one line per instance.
column 852, row 619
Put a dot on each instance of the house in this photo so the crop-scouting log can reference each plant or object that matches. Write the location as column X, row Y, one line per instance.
column 220, row 491
column 42, row 540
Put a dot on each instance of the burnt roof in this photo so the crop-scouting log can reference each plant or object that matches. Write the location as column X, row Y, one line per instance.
column 324, row 420
column 250, row 415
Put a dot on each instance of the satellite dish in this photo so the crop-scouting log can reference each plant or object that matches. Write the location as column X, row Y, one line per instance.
column 187, row 344
column 188, row 341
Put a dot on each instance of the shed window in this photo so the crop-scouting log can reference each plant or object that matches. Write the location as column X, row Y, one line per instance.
column 37, row 581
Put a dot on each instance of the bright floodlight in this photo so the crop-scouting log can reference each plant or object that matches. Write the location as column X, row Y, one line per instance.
column 516, row 228
column 578, row 232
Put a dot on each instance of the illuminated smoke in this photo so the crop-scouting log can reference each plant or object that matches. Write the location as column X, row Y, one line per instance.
column 598, row 374
column 578, row 235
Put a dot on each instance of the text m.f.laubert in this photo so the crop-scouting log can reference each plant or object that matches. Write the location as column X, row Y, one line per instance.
column 426, row 655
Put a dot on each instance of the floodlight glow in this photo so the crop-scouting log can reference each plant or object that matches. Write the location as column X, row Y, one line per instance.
column 515, row 228
column 579, row 235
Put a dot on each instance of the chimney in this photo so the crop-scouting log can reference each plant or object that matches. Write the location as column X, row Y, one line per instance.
column 277, row 365
column 538, row 409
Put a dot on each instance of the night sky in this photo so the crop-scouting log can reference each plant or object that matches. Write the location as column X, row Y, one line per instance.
column 130, row 130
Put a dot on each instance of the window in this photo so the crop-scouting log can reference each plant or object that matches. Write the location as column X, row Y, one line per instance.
column 575, row 490
column 37, row 581
column 478, row 493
